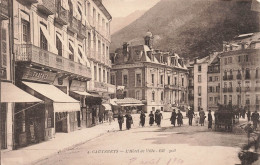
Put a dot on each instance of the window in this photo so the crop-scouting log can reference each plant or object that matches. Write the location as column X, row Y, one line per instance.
column 199, row 90
column 225, row 61
column 125, row 80
column 211, row 99
column 25, row 31
column 216, row 100
column 80, row 53
column 71, row 56
column 161, row 79
column 199, row 78
column 199, row 68
column 104, row 75
column 59, row 46
column 246, row 58
column 216, row 78
column 247, row 76
column 248, row 100
column 108, row 77
column 210, row 79
column 138, row 80
column 152, row 78
column 99, row 73
column 169, row 80
column 182, row 81
column 113, row 80
column 239, row 59
column 210, row 89
column 3, row 43
column 225, row 99
column 238, row 100
column 43, row 41
column 95, row 73
column 162, row 96
column 175, row 80
column 229, row 60
column 256, row 72
column 153, row 96
column 199, row 102
column 230, row 100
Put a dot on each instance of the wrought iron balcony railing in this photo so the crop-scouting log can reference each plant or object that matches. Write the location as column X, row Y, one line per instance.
column 30, row 1
column 47, row 7
column 36, row 55
column 74, row 25
column 82, row 30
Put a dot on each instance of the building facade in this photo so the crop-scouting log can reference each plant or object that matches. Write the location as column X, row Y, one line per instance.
column 158, row 79
column 239, row 69
column 61, row 46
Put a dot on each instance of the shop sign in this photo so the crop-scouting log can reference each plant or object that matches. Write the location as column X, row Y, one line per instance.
column 78, row 86
column 38, row 75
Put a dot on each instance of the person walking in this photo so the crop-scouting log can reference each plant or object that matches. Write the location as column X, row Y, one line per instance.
column 210, row 120
column 142, row 118
column 151, row 118
column 158, row 118
column 179, row 118
column 255, row 119
column 202, row 117
column 190, row 116
column 248, row 115
column 110, row 116
column 173, row 118
column 120, row 119
column 129, row 120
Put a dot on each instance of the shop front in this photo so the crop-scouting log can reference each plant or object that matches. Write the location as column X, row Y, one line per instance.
column 12, row 95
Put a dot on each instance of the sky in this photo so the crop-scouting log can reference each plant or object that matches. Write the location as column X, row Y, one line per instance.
column 122, row 8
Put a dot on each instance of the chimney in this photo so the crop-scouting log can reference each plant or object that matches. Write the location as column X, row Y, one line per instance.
column 196, row 60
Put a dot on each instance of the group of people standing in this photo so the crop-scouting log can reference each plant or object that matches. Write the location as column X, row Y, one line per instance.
column 129, row 120
column 156, row 117
column 200, row 119
column 254, row 117
column 177, row 116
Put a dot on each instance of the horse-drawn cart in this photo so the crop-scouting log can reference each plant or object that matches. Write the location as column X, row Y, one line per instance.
column 225, row 118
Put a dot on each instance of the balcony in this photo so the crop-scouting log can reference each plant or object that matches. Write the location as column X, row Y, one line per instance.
column 230, row 77
column 62, row 15
column 74, row 25
column 190, row 96
column 225, row 77
column 32, row 54
column 239, row 76
column 47, row 7
column 30, row 1
column 4, row 14
column 100, row 86
column 238, row 89
column 82, row 30
column 225, row 90
column 247, row 76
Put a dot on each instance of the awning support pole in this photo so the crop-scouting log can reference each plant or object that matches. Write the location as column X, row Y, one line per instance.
column 27, row 108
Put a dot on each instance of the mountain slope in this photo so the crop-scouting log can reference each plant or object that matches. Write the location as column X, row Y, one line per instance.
column 120, row 22
column 191, row 27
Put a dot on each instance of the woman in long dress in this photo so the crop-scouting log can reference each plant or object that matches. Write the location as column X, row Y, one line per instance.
column 151, row 118
column 173, row 118
column 129, row 121
column 142, row 118
column 179, row 118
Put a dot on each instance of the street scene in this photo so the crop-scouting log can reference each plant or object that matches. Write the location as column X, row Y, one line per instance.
column 129, row 82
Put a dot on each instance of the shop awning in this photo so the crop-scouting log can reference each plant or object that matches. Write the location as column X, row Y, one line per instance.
column 12, row 94
column 107, row 107
column 82, row 93
column 62, row 101
column 131, row 105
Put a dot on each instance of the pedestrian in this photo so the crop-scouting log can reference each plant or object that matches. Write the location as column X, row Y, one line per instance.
column 120, row 119
column 197, row 118
column 173, row 118
column 110, row 116
column 142, row 118
column 129, row 120
column 179, row 118
column 210, row 120
column 255, row 119
column 158, row 118
column 248, row 115
column 190, row 116
column 151, row 118
column 202, row 117
column 101, row 116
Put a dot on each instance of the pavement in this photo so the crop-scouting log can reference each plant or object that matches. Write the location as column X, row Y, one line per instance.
column 66, row 141
column 62, row 141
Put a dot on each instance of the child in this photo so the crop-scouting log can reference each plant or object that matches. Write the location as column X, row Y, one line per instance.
column 197, row 118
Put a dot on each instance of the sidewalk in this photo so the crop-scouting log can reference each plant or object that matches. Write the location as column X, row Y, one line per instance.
column 62, row 141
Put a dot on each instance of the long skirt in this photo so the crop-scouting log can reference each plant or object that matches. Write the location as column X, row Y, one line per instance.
column 128, row 124
column 151, row 121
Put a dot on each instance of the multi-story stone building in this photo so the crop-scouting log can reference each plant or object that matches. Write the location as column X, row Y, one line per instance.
column 213, row 84
column 159, row 79
column 59, row 46
column 239, row 69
